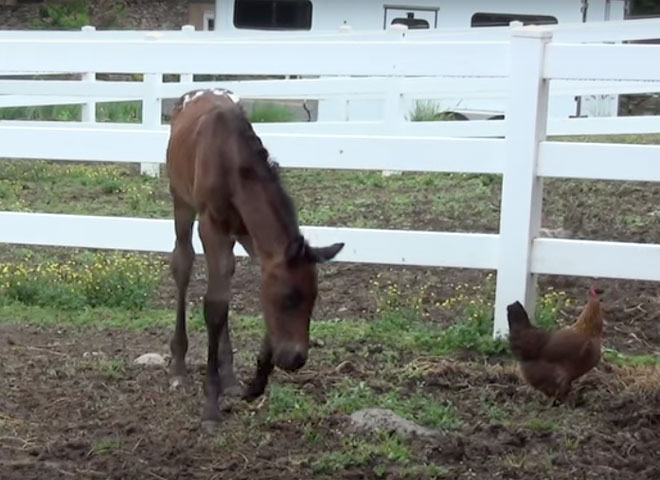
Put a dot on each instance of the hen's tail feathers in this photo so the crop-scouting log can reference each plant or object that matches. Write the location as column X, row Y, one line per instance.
column 517, row 316
column 525, row 340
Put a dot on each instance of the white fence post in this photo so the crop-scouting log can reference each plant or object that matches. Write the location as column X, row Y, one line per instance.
column 392, row 110
column 152, row 110
column 336, row 108
column 88, row 111
column 522, row 189
column 187, row 77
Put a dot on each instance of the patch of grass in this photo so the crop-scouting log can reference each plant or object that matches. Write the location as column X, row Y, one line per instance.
column 60, row 113
column 119, row 112
column 541, row 424
column 357, row 451
column 106, row 445
column 263, row 112
column 99, row 317
column 349, row 396
column 401, row 320
column 115, row 112
column 111, row 368
column 429, row 471
column 624, row 360
column 288, row 403
column 92, row 280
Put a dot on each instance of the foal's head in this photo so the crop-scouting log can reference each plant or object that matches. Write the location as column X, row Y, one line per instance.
column 289, row 290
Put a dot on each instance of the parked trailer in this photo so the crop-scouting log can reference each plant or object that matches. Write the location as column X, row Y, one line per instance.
column 319, row 16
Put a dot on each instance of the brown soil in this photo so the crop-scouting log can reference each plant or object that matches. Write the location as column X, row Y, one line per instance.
column 67, row 414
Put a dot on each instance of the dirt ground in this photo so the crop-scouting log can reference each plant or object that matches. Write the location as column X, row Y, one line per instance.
column 632, row 308
column 73, row 405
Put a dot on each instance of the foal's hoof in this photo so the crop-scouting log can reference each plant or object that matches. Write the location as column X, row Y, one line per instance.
column 234, row 391
column 177, row 382
column 251, row 394
column 211, row 426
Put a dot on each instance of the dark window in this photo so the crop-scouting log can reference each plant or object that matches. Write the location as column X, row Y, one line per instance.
column 211, row 24
column 503, row 19
column 273, row 14
column 411, row 22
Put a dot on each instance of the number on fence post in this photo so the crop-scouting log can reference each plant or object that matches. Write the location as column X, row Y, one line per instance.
column 522, row 189
column 152, row 111
column 88, row 111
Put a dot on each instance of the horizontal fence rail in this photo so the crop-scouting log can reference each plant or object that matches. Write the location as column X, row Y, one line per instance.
column 367, row 152
column 240, row 57
column 523, row 66
column 411, row 87
column 395, row 247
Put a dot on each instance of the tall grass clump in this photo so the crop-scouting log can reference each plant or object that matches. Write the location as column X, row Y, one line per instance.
column 429, row 111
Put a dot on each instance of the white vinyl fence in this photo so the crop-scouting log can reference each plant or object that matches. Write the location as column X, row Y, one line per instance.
column 525, row 65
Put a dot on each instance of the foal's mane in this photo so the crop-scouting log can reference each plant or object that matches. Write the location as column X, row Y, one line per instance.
column 265, row 170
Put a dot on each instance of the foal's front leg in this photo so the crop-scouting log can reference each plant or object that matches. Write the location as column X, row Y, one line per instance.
column 181, row 266
column 220, row 377
column 264, row 368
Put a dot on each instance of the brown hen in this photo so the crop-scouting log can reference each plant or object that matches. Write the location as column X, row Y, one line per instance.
column 551, row 360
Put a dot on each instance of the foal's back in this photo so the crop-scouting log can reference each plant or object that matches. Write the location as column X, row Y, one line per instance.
column 204, row 149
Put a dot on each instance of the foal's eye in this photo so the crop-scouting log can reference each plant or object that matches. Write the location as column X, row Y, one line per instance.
column 291, row 300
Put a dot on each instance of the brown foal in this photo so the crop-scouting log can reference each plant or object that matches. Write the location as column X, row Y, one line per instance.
column 220, row 171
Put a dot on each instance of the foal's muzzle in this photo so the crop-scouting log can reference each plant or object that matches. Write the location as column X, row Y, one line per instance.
column 290, row 359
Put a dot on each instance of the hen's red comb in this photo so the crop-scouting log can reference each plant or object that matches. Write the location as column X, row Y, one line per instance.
column 594, row 292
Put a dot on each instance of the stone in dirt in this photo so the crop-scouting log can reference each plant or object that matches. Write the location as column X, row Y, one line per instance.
column 150, row 359
column 383, row 419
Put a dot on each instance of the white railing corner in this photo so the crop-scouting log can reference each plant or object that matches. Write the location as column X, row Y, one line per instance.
column 522, row 189
column 88, row 111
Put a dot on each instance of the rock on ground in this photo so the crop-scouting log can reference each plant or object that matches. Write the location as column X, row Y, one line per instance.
column 383, row 419
column 150, row 359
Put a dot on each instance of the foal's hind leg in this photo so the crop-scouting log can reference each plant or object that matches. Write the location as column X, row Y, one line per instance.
column 220, row 377
column 181, row 266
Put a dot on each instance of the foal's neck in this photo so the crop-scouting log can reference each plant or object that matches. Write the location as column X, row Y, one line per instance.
column 268, row 214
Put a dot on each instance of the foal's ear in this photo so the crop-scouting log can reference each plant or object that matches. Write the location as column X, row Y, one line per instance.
column 324, row 254
column 296, row 249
